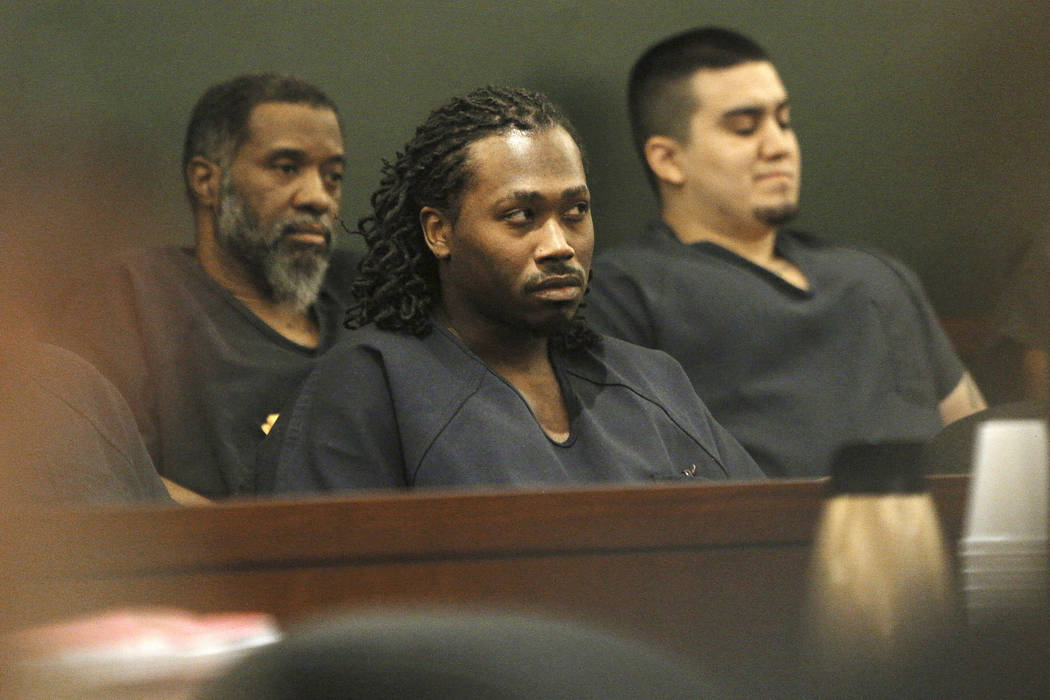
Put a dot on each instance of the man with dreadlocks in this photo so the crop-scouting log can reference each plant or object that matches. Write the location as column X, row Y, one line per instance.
column 207, row 343
column 471, row 365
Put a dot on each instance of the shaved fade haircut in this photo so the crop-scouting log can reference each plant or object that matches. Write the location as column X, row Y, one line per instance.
column 659, row 96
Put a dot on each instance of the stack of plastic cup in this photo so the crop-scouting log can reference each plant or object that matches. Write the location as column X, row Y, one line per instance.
column 1003, row 555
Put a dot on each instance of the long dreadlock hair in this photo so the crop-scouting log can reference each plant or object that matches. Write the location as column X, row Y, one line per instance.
column 397, row 285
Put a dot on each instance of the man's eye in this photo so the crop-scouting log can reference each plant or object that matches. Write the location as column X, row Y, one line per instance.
column 579, row 210
column 518, row 216
column 743, row 126
column 335, row 177
column 287, row 168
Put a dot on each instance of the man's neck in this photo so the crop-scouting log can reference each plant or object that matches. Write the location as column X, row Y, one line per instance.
column 298, row 326
column 522, row 359
column 505, row 350
column 755, row 242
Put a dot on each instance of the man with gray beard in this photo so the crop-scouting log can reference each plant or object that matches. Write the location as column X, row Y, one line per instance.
column 292, row 274
column 207, row 343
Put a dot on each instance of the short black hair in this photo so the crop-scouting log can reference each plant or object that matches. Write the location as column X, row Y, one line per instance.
column 219, row 122
column 397, row 286
column 658, row 96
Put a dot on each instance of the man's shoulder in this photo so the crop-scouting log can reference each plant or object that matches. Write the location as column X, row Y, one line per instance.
column 394, row 349
column 371, row 337
column 616, row 361
column 55, row 364
column 71, row 379
column 342, row 268
column 655, row 241
column 131, row 281
column 151, row 259
column 143, row 267
column 615, row 350
column 817, row 242
column 806, row 239
column 422, row 376
column 849, row 256
column 336, row 294
column 651, row 375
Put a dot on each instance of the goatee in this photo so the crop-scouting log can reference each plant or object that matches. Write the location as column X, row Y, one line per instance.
column 288, row 272
column 777, row 216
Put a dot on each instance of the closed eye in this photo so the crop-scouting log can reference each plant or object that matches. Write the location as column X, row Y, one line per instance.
column 743, row 123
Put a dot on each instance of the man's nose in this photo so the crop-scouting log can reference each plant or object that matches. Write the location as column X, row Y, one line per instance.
column 313, row 193
column 554, row 243
column 777, row 141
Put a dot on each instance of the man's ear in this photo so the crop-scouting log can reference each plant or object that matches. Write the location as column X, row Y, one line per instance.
column 663, row 154
column 204, row 178
column 437, row 230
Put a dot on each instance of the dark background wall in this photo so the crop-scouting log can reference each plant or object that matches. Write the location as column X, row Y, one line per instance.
column 923, row 124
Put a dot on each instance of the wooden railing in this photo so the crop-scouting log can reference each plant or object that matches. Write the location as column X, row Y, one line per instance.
column 716, row 572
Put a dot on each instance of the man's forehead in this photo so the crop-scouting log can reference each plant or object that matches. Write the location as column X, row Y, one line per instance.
column 292, row 122
column 501, row 160
column 750, row 84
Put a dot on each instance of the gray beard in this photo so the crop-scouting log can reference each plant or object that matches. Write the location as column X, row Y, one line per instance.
column 287, row 273
column 777, row 216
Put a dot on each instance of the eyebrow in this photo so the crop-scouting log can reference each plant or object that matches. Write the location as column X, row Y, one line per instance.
column 534, row 195
column 300, row 154
column 754, row 110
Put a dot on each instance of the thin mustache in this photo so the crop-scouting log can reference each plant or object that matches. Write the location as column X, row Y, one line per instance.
column 555, row 276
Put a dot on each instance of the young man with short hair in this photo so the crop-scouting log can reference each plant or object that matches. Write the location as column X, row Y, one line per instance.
column 799, row 346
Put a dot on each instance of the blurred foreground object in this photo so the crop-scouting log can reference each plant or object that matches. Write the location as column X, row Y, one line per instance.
column 881, row 606
column 132, row 653
column 68, row 435
column 456, row 654
column 1003, row 553
column 1004, row 561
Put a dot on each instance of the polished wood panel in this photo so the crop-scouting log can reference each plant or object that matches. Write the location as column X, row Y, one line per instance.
column 715, row 571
